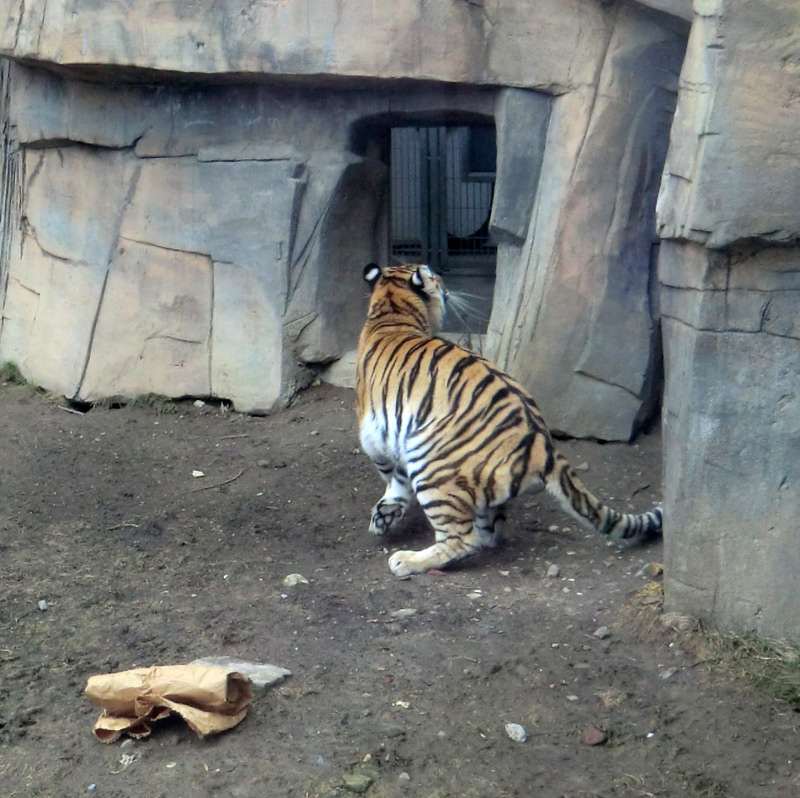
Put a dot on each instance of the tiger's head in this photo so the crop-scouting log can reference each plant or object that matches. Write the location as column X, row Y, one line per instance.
column 413, row 292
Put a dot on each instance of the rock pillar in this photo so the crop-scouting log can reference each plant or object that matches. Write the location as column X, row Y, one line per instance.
column 729, row 210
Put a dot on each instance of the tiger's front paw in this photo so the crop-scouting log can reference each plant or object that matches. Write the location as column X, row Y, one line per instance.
column 401, row 563
column 384, row 514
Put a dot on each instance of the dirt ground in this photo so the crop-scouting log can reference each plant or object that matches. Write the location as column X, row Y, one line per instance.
column 141, row 563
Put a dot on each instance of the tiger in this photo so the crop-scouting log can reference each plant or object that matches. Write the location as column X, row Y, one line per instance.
column 448, row 428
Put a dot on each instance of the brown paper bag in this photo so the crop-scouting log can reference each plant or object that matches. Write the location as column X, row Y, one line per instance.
column 208, row 698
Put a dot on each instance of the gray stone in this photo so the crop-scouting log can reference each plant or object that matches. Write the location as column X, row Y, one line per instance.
column 261, row 674
column 737, row 107
column 676, row 8
column 57, row 268
column 553, row 571
column 731, row 410
column 343, row 206
column 454, row 42
column 516, row 732
column 602, row 632
column 406, row 612
column 159, row 343
column 577, row 308
column 521, row 118
column 125, row 288
column 357, row 782
column 342, row 372
column 48, row 108
column 293, row 580
column 255, row 187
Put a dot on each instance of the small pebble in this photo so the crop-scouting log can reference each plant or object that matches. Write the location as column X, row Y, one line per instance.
column 667, row 673
column 295, row 579
column 652, row 569
column 404, row 777
column 92, row 787
column 602, row 632
column 357, row 782
column 42, row 605
column 594, row 736
column 516, row 732
column 406, row 612
column 553, row 571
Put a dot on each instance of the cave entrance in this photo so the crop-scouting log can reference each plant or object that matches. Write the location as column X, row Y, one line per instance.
column 442, row 186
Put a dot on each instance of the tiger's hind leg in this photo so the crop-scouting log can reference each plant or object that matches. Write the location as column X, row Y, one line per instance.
column 393, row 504
column 460, row 531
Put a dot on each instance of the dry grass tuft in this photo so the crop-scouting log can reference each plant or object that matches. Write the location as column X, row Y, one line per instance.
column 772, row 665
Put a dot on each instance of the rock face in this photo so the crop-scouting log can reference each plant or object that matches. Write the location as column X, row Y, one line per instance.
column 207, row 238
column 738, row 106
column 573, row 313
column 154, row 262
column 730, row 314
column 733, row 356
column 457, row 42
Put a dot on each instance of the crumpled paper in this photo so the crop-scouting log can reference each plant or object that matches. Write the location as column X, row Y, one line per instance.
column 209, row 699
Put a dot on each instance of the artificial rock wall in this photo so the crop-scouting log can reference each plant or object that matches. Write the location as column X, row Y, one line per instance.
column 207, row 238
column 729, row 213
column 575, row 314
column 156, row 248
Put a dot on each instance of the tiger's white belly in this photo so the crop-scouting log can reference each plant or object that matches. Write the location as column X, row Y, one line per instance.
column 381, row 440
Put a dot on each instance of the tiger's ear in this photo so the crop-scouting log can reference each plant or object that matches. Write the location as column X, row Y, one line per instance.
column 371, row 273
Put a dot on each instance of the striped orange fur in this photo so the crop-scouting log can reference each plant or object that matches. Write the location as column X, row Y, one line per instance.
column 447, row 427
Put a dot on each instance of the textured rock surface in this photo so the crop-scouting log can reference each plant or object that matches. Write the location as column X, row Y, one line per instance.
column 730, row 307
column 738, row 106
column 522, row 118
column 732, row 433
column 572, row 315
column 676, row 8
column 448, row 41
column 217, row 249
column 161, row 250
column 191, row 240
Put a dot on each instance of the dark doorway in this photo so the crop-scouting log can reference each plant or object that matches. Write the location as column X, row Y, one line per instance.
column 442, row 187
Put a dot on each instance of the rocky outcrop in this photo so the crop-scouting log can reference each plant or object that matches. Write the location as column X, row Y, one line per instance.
column 187, row 203
column 216, row 248
column 573, row 314
column 731, row 430
column 454, row 41
column 150, row 261
column 732, row 338
column 732, row 170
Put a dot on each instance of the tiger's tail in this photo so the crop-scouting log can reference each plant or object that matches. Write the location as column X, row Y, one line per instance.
column 578, row 501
